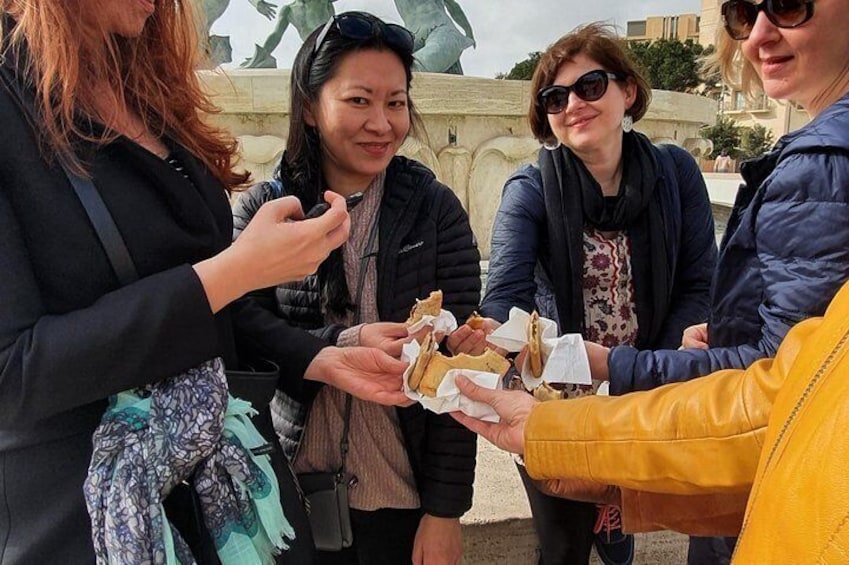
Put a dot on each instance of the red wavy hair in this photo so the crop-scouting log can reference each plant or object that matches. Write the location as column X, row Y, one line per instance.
column 69, row 56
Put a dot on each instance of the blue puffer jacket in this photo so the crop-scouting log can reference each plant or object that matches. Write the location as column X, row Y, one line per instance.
column 520, row 258
column 784, row 256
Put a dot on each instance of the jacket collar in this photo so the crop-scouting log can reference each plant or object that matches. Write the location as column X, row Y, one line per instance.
column 828, row 129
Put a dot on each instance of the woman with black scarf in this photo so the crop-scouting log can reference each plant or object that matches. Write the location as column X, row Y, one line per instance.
column 607, row 234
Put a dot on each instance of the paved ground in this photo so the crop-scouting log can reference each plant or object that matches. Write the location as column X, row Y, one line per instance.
column 498, row 529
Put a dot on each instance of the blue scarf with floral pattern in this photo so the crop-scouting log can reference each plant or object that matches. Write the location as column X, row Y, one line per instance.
column 149, row 440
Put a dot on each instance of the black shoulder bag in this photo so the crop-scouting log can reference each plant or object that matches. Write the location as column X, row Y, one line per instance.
column 327, row 491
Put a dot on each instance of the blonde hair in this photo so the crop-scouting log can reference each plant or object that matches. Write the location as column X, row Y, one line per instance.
column 66, row 55
column 728, row 61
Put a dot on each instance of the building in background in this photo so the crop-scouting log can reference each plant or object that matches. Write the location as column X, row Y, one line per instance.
column 681, row 27
column 710, row 22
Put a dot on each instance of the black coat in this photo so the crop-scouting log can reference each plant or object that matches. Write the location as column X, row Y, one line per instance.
column 70, row 336
column 425, row 243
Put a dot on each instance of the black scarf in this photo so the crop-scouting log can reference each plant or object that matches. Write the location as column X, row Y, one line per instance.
column 573, row 200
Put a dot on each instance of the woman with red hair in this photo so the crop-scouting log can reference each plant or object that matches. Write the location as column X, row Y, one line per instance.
column 105, row 90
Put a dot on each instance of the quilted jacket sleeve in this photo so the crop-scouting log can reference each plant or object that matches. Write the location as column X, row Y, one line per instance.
column 448, row 470
column 245, row 208
column 457, row 257
column 802, row 246
column 515, row 243
column 247, row 205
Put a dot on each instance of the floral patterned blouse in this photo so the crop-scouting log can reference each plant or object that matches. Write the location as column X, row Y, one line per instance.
column 610, row 317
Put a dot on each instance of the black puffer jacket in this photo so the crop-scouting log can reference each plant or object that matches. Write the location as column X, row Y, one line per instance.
column 425, row 243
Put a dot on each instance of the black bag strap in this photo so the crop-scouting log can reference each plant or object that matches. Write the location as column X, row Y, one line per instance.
column 104, row 225
column 95, row 208
column 361, row 280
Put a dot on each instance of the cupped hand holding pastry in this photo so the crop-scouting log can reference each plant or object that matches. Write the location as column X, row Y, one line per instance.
column 470, row 338
column 512, row 406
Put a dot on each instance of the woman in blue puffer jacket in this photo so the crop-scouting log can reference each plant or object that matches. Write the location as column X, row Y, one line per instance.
column 608, row 234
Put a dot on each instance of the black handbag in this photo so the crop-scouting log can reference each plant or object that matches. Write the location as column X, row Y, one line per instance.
column 329, row 514
column 327, row 500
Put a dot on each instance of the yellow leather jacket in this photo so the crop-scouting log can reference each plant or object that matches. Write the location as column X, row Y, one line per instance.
column 777, row 429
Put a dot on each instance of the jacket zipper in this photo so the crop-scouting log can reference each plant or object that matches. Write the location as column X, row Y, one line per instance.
column 789, row 421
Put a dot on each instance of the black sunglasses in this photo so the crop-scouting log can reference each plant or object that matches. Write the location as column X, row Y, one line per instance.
column 589, row 87
column 739, row 16
column 361, row 27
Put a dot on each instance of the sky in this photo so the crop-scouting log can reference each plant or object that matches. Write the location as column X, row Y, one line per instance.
column 505, row 30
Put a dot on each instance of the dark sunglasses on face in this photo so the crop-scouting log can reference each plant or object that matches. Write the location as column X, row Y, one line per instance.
column 739, row 16
column 589, row 87
column 360, row 27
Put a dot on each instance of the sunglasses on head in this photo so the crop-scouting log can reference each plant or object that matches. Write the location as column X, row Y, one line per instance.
column 589, row 87
column 361, row 27
column 739, row 16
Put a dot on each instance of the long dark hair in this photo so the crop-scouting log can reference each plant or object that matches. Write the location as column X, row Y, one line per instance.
column 300, row 168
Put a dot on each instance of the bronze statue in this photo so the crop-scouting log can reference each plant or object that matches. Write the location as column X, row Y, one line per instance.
column 218, row 47
column 439, row 43
column 303, row 15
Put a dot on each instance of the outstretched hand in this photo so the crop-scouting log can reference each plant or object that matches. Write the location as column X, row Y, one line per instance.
column 365, row 372
column 512, row 406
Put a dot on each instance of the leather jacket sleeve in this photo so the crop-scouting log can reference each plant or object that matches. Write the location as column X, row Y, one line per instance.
column 697, row 437
column 696, row 515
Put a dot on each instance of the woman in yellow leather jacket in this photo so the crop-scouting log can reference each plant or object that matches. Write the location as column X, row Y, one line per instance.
column 776, row 430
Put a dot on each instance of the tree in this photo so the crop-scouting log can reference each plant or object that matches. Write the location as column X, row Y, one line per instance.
column 668, row 63
column 523, row 70
column 755, row 141
column 725, row 134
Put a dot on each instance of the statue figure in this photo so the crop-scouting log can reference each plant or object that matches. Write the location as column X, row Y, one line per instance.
column 303, row 15
column 217, row 46
column 438, row 43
